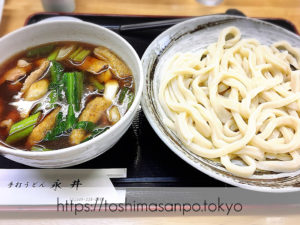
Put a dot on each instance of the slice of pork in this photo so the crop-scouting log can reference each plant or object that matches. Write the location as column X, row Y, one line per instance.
column 35, row 75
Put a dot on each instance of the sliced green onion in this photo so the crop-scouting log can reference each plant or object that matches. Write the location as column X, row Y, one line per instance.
column 36, row 108
column 31, row 120
column 22, row 129
column 123, row 94
column 130, row 97
column 40, row 51
column 75, row 53
column 111, row 89
column 81, row 55
column 97, row 84
column 17, row 136
column 65, row 51
column 53, row 54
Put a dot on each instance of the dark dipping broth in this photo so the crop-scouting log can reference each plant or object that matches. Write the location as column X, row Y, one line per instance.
column 62, row 94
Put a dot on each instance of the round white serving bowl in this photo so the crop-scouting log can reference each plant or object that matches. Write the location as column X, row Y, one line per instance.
column 40, row 33
column 192, row 35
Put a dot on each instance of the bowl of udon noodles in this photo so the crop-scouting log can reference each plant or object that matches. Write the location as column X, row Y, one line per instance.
column 69, row 91
column 223, row 93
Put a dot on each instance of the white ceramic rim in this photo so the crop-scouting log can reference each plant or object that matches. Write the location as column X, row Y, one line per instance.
column 166, row 140
column 60, row 18
column 138, row 94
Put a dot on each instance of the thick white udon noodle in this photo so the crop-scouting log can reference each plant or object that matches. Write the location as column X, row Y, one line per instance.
column 237, row 99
